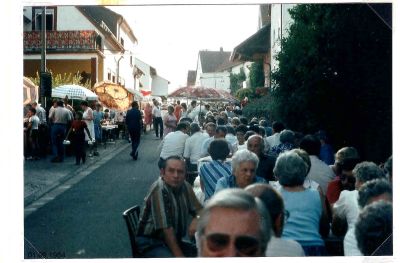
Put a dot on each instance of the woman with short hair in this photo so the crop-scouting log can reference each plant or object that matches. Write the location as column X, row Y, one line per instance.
column 212, row 171
column 304, row 205
column 244, row 166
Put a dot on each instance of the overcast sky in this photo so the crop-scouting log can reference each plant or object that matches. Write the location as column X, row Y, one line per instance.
column 170, row 37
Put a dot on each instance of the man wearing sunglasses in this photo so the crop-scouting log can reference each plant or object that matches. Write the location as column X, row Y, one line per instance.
column 233, row 224
column 169, row 207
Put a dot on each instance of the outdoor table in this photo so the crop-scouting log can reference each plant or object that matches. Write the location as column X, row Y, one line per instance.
column 107, row 129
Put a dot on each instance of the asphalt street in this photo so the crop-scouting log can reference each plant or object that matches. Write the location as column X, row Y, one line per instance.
column 84, row 220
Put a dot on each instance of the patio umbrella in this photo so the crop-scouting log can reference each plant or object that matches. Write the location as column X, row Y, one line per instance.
column 113, row 96
column 73, row 91
column 202, row 93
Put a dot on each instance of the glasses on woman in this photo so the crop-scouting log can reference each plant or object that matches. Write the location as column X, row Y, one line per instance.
column 245, row 245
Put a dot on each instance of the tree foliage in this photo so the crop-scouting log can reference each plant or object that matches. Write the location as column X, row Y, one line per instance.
column 236, row 81
column 63, row 79
column 256, row 75
column 335, row 72
column 247, row 92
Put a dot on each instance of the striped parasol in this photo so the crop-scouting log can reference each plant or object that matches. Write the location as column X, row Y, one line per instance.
column 73, row 92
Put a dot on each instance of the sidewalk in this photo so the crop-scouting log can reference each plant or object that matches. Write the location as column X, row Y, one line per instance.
column 42, row 176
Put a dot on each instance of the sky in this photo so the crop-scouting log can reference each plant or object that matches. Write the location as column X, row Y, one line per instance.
column 170, row 37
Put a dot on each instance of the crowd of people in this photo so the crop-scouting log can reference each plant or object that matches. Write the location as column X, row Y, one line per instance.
column 66, row 130
column 234, row 186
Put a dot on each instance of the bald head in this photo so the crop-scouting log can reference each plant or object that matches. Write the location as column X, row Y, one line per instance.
column 255, row 144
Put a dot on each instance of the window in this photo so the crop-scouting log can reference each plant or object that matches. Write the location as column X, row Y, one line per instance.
column 122, row 41
column 108, row 74
column 131, row 60
column 51, row 16
column 113, row 79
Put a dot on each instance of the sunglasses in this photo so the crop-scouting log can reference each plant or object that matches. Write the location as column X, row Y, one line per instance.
column 245, row 245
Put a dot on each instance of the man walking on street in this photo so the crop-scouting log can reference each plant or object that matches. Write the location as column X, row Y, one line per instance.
column 134, row 123
column 158, row 121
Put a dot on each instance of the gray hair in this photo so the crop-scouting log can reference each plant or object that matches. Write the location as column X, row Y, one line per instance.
column 366, row 171
column 260, row 138
column 236, row 198
column 373, row 188
column 290, row 169
column 287, row 136
column 243, row 156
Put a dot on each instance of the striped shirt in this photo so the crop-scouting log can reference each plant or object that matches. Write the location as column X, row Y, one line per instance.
column 210, row 173
column 165, row 207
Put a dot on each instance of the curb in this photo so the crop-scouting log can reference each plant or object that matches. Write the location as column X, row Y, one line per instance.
column 40, row 193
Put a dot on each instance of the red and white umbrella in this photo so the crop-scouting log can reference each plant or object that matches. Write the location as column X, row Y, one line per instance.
column 202, row 93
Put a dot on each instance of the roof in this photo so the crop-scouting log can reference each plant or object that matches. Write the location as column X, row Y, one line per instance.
column 257, row 44
column 228, row 65
column 212, row 60
column 191, row 77
column 100, row 15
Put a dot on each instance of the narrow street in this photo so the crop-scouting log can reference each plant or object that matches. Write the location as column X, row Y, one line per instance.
column 86, row 220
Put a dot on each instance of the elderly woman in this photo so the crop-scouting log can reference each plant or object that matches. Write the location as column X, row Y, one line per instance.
column 170, row 121
column 272, row 199
column 304, row 206
column 244, row 166
column 211, row 172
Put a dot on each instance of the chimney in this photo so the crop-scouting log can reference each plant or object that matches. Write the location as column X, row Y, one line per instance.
column 221, row 49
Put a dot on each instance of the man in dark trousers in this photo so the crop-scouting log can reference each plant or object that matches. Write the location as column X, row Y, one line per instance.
column 133, row 122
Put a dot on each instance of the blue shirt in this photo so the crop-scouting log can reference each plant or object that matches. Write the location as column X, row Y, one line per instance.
column 210, row 173
column 97, row 117
column 305, row 211
column 326, row 154
column 230, row 182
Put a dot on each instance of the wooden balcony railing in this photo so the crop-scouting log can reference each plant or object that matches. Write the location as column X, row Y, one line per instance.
column 82, row 40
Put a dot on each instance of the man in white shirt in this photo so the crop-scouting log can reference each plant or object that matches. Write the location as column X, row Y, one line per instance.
column 174, row 143
column 320, row 172
column 192, row 152
column 158, row 122
column 347, row 208
column 274, row 139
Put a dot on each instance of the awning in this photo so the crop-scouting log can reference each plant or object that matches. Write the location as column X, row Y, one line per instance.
column 254, row 47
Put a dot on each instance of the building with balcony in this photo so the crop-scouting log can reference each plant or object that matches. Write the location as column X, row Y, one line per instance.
column 93, row 41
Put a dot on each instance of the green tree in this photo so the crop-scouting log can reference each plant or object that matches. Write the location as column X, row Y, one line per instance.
column 63, row 79
column 236, row 81
column 335, row 72
column 256, row 75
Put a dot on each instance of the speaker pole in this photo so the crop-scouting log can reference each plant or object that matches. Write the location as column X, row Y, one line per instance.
column 43, row 55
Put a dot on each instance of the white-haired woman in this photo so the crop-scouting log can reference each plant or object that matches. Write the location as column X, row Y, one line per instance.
column 244, row 166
